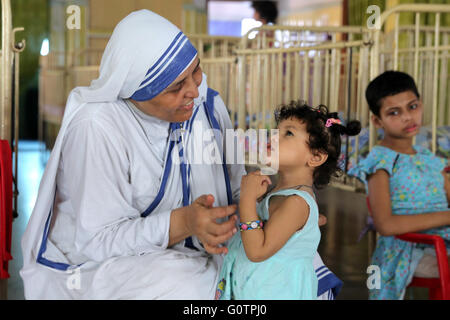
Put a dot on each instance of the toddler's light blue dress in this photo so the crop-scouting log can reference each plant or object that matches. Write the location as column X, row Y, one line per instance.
column 288, row 274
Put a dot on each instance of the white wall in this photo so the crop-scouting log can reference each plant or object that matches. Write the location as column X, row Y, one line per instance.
column 289, row 7
column 229, row 10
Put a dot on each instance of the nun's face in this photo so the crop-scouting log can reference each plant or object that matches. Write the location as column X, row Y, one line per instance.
column 176, row 102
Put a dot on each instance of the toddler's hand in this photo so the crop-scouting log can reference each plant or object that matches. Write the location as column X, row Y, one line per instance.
column 254, row 185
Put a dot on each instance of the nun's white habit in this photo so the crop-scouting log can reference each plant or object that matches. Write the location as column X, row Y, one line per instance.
column 104, row 233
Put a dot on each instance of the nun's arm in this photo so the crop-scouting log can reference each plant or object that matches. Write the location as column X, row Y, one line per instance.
column 107, row 225
column 97, row 183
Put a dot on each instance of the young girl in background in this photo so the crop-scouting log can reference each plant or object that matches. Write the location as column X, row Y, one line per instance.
column 407, row 187
column 272, row 256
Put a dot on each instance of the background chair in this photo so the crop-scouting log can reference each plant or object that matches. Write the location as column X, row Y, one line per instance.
column 6, row 199
column 438, row 288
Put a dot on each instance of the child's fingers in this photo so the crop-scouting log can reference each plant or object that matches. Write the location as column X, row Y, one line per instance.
column 267, row 179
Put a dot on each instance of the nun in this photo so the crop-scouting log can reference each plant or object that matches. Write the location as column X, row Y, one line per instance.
column 123, row 210
column 137, row 199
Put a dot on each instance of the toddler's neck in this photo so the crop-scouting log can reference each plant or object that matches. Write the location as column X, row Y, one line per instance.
column 291, row 180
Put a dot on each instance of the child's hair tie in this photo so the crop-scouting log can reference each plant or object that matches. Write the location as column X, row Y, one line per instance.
column 331, row 121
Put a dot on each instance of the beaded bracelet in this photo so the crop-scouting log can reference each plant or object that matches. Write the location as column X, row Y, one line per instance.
column 257, row 224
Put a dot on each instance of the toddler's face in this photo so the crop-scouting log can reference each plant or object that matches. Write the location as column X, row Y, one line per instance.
column 400, row 115
column 293, row 149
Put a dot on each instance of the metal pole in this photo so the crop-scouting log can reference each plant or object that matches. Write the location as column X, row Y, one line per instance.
column 18, row 48
column 6, row 72
column 435, row 83
column 349, row 94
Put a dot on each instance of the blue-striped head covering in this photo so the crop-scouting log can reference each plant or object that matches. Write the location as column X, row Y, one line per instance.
column 144, row 55
column 175, row 59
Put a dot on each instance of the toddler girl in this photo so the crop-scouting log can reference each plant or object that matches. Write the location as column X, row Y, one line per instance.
column 272, row 256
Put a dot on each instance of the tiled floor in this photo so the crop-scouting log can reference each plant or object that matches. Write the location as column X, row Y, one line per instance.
column 339, row 248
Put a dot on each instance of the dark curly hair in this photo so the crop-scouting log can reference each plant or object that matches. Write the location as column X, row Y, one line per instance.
column 321, row 139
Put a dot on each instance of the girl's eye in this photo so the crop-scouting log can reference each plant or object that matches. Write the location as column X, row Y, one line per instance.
column 289, row 133
column 414, row 106
column 393, row 113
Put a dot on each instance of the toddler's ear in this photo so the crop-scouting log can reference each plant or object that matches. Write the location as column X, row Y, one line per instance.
column 317, row 159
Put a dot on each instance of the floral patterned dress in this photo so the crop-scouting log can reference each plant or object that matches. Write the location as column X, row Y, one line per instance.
column 416, row 186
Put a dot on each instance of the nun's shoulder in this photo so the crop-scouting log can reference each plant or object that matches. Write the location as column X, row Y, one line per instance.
column 101, row 114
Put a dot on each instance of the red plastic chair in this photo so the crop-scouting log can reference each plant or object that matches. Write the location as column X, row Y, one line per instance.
column 438, row 288
column 6, row 199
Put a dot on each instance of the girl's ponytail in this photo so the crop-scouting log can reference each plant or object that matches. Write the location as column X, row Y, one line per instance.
column 335, row 125
column 353, row 128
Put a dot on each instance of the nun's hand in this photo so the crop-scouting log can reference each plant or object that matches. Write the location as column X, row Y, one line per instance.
column 201, row 222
